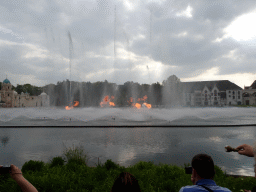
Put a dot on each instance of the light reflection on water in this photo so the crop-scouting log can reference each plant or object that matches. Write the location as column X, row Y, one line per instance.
column 127, row 146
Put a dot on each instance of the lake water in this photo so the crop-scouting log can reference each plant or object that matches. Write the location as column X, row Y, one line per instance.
column 127, row 146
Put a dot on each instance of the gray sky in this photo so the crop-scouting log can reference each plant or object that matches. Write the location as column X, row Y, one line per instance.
column 195, row 40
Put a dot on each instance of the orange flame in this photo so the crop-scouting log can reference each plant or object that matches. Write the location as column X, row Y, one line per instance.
column 107, row 102
column 137, row 105
column 147, row 105
column 76, row 103
column 111, row 103
column 140, row 100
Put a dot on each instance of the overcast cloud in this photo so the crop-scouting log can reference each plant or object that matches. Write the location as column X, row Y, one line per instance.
column 195, row 40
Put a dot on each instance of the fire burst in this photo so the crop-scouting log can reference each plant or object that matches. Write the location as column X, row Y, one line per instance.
column 76, row 103
column 140, row 100
column 107, row 101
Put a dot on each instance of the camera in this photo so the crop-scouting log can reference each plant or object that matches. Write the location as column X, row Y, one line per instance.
column 188, row 170
column 5, row 169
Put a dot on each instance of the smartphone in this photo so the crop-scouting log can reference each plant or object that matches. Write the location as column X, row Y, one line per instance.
column 5, row 169
column 188, row 170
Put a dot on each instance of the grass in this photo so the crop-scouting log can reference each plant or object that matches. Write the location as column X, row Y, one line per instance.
column 245, row 105
column 71, row 173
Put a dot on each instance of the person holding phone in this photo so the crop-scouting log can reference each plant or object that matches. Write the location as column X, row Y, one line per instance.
column 17, row 176
column 202, row 176
column 248, row 151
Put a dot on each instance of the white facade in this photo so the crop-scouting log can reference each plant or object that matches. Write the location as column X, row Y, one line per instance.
column 234, row 97
column 10, row 98
column 211, row 93
column 249, row 96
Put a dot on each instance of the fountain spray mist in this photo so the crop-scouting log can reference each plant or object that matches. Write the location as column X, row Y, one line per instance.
column 70, row 61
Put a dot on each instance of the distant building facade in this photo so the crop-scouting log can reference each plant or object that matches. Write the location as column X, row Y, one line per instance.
column 249, row 94
column 206, row 93
column 10, row 98
column 211, row 93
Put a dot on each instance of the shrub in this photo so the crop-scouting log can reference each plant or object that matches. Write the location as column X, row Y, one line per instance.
column 57, row 161
column 75, row 154
column 109, row 164
column 32, row 166
column 144, row 165
column 100, row 174
column 73, row 166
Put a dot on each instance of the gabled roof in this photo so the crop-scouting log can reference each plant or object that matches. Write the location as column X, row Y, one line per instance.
column 253, row 86
column 222, row 85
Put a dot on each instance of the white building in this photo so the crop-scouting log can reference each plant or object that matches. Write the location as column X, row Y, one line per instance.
column 211, row 93
column 249, row 94
column 10, row 98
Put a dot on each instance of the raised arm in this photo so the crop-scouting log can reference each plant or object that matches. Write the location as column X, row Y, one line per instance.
column 25, row 186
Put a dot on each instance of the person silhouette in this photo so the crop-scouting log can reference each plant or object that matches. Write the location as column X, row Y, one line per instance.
column 126, row 182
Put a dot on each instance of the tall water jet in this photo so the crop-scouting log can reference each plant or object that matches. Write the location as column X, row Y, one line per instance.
column 70, row 61
column 115, row 40
column 172, row 91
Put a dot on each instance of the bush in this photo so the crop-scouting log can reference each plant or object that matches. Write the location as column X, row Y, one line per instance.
column 75, row 154
column 110, row 165
column 144, row 165
column 100, row 174
column 57, row 161
column 32, row 166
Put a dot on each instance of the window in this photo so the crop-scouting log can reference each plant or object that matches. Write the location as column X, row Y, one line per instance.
column 234, row 97
column 229, row 96
column 229, row 91
column 233, row 92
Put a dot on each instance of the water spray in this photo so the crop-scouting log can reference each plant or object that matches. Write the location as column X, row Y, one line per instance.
column 70, row 59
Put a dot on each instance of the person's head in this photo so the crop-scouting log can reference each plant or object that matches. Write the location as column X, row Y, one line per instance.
column 125, row 182
column 204, row 166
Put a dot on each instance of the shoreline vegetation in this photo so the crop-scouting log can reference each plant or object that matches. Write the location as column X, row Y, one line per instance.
column 70, row 173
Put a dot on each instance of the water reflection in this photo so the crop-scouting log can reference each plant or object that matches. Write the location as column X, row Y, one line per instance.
column 4, row 140
column 128, row 146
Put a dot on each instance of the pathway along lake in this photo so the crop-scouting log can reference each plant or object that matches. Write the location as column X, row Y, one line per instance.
column 127, row 146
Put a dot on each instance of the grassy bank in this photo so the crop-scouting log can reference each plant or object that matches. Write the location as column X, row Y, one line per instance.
column 71, row 173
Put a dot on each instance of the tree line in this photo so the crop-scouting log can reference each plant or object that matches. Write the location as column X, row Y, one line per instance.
column 91, row 94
